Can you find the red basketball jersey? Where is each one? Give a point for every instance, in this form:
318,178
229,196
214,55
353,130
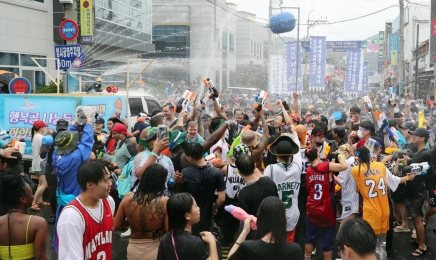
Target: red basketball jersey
319,207
97,239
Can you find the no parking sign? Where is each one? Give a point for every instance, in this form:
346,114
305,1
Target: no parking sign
68,30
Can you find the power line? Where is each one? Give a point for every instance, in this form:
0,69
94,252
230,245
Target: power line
363,16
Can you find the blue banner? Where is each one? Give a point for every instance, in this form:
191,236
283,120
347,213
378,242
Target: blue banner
393,44
365,85
352,73
380,67
19,112
336,46
291,68
317,63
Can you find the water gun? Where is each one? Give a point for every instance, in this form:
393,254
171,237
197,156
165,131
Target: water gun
112,166
421,119
260,100
99,154
368,103
211,159
212,90
401,139
241,215
416,168
237,141
390,150
183,103
383,124
5,138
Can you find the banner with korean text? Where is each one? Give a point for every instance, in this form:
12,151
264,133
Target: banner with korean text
352,73
294,82
365,84
317,63
394,43
276,77
21,111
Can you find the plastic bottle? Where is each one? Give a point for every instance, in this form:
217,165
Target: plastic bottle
20,145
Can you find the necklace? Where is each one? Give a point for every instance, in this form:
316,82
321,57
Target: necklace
99,221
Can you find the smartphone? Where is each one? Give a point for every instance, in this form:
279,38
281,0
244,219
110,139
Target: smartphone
162,132
285,105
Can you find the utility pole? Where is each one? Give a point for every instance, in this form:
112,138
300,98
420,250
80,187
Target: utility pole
416,61
270,37
71,13
401,48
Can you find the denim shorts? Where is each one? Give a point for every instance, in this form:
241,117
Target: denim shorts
42,164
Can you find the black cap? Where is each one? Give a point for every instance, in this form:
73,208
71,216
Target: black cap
398,115
62,125
408,125
206,117
99,121
421,132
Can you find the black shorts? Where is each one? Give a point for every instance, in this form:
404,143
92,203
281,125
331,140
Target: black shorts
414,207
52,179
399,195
432,197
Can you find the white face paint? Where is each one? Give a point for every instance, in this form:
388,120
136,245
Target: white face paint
360,134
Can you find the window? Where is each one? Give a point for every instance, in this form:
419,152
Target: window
9,59
217,77
39,78
14,70
26,60
231,42
224,38
135,105
152,105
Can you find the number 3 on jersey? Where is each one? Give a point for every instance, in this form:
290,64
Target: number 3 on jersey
372,193
287,198
318,191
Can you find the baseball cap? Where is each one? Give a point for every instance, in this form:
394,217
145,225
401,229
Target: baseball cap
39,124
99,121
421,132
408,125
120,128
62,125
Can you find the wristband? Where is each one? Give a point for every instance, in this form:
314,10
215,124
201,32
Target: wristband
228,123
407,177
237,243
154,154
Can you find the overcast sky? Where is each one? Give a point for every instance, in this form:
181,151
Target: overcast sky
334,10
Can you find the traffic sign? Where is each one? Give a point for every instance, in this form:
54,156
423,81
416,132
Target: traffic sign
70,56
19,86
69,30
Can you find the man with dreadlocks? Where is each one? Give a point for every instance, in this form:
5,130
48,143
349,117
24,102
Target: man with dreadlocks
286,174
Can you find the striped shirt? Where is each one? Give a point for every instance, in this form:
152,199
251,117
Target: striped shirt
349,196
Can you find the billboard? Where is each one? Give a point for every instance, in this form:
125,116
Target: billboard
393,46
86,21
291,68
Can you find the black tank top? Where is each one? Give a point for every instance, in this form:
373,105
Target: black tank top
176,162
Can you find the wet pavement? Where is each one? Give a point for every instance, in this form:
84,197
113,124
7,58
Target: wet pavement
402,247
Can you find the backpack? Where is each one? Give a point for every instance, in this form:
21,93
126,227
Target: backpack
124,183
124,180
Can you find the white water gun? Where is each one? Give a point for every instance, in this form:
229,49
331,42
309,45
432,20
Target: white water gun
416,168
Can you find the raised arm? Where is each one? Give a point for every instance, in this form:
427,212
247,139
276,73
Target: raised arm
285,113
296,107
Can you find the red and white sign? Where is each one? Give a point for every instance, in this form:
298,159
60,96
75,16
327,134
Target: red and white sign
19,86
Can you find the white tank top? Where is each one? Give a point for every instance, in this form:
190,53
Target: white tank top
234,181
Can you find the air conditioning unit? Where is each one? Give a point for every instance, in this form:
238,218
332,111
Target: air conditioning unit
66,1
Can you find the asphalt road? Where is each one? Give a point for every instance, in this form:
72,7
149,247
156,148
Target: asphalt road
402,247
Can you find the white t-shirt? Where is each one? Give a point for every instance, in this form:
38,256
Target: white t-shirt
288,186
36,148
221,144
71,228
349,196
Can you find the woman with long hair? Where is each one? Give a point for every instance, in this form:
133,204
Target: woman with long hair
38,164
320,206
372,182
145,212
22,236
349,196
179,243
271,242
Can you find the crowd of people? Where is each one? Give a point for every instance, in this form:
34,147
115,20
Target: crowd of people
293,169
